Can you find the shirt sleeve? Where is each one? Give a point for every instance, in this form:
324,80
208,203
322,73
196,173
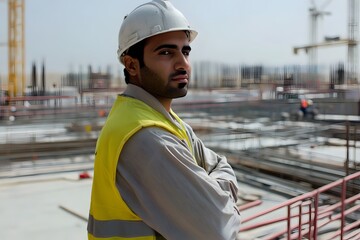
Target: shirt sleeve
215,165
159,180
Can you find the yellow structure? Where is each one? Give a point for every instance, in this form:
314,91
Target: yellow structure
16,47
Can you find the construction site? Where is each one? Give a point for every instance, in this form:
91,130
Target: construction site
298,174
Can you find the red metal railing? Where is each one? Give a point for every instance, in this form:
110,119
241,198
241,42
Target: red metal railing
306,215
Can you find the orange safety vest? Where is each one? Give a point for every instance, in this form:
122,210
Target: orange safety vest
304,103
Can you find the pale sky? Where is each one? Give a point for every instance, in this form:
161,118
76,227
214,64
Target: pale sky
73,33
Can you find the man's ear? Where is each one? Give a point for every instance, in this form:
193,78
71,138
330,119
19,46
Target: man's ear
132,65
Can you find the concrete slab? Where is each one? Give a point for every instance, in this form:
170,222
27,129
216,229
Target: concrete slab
54,206
30,207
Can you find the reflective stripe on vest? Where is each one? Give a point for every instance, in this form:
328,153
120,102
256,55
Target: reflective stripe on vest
118,229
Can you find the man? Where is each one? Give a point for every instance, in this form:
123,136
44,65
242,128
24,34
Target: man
153,178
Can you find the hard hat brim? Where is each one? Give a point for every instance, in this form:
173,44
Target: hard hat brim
192,36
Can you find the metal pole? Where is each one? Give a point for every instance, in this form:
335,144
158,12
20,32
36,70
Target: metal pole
73,213
316,209
289,222
354,144
300,222
347,149
343,198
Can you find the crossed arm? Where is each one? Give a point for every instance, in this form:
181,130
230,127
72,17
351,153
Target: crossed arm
160,182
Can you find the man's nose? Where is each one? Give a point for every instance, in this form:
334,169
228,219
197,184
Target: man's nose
182,62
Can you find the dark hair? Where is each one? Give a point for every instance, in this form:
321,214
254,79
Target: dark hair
135,51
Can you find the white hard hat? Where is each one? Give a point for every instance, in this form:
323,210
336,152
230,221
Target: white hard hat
150,19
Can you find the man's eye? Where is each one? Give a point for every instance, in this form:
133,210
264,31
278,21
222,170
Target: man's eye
165,52
186,53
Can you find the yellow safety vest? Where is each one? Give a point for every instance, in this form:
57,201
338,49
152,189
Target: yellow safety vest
110,218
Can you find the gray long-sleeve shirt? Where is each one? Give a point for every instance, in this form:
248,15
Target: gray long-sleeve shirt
159,181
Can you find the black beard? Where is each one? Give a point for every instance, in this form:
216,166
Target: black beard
153,84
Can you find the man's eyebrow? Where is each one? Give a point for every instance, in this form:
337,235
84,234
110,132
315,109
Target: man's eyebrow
172,46
186,48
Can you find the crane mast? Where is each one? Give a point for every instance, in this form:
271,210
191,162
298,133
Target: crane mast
16,47
353,36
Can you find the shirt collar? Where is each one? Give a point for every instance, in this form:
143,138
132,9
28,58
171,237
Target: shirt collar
142,95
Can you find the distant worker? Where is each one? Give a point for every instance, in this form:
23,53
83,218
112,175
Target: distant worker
303,106
153,177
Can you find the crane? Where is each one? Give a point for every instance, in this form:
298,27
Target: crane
351,41
315,13
16,47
